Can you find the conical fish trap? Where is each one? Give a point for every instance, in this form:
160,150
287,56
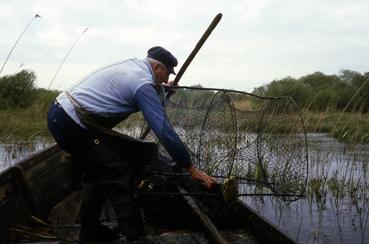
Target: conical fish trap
232,133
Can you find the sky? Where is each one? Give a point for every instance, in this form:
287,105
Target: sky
255,43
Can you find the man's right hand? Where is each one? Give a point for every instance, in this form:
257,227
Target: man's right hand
197,174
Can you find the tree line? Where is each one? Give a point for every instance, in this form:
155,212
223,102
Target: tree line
18,91
348,91
23,106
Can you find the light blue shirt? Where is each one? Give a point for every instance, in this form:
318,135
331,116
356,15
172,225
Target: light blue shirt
120,89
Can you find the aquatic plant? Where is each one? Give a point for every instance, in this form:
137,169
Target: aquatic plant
66,56
16,42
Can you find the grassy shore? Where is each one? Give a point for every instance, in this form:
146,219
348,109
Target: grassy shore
23,124
346,127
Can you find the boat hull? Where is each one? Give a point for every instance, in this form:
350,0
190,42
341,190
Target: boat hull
47,186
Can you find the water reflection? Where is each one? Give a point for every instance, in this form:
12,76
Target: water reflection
14,151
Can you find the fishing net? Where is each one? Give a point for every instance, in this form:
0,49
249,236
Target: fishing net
230,133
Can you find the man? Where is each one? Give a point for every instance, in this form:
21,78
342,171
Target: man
103,99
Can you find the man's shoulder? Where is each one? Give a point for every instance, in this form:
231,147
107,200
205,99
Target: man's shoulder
135,61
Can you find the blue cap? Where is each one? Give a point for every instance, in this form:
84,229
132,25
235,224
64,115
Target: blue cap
164,56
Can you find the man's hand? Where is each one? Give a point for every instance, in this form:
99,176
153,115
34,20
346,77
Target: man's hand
167,87
201,176
169,83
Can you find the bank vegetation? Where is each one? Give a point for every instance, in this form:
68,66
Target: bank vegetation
334,104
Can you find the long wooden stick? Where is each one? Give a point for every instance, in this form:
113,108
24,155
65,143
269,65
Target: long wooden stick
199,44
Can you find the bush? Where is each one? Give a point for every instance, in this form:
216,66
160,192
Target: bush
17,91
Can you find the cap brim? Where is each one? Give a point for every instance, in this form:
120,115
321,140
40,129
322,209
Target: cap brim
171,70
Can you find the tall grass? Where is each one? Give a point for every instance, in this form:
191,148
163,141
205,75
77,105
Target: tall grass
24,123
352,128
23,107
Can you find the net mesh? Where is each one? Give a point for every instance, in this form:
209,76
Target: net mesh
232,133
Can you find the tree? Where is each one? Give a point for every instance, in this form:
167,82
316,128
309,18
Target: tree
318,80
360,85
291,87
348,75
343,93
17,91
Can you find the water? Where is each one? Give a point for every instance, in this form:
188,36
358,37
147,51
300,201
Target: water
332,218
340,216
14,151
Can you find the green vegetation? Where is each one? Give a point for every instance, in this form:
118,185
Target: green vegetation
23,107
351,127
334,104
193,99
317,92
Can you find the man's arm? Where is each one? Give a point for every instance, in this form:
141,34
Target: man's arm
154,113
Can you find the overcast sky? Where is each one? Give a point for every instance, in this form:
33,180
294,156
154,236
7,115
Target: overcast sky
255,42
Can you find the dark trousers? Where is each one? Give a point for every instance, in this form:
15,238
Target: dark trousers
107,173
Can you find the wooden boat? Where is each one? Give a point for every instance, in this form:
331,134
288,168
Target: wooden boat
40,197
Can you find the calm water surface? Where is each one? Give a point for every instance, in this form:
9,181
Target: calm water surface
329,219
333,218
14,151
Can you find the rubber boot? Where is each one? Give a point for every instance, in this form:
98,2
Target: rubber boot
91,228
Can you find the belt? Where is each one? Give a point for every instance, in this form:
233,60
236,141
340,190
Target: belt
57,104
